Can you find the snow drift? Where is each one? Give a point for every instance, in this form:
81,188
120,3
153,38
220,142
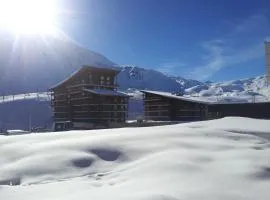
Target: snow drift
220,159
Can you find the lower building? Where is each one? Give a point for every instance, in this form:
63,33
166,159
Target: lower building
164,106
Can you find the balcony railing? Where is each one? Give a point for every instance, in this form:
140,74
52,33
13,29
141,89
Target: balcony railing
94,85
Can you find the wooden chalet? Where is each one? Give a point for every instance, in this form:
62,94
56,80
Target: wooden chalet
89,99
164,106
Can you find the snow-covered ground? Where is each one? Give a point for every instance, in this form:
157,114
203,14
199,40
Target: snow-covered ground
220,159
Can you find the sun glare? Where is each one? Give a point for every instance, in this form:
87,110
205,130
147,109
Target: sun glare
28,16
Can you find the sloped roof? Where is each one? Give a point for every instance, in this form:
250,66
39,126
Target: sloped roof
104,92
84,68
170,95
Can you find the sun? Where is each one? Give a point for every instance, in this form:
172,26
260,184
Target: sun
28,16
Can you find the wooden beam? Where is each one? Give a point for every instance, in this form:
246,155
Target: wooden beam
149,105
100,104
157,111
93,85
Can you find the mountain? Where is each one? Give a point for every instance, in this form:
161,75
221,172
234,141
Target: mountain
29,64
243,89
133,77
186,83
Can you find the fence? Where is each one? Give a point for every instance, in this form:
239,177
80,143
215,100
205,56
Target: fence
35,96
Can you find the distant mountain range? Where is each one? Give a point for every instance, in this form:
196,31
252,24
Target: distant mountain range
28,64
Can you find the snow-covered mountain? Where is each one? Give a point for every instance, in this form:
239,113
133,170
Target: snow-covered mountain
186,83
243,89
35,63
133,77
28,64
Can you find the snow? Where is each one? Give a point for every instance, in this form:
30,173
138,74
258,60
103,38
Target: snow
40,96
17,132
170,95
237,90
133,77
220,159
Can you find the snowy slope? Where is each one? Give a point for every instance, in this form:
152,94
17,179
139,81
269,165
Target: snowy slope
208,160
186,83
134,77
241,89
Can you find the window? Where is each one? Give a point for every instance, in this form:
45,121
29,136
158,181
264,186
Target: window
108,80
90,78
102,80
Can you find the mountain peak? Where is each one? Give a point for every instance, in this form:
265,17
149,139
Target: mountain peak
29,64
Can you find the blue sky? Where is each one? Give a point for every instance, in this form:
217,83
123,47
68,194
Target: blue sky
204,39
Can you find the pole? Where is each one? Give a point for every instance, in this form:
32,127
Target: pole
30,123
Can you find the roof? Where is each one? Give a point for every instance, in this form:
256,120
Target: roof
170,95
84,68
106,92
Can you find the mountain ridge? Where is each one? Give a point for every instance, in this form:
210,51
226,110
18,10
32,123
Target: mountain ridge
35,64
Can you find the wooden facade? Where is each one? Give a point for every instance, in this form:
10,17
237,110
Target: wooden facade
89,98
259,110
162,106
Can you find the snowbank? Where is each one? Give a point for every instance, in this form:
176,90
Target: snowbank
220,159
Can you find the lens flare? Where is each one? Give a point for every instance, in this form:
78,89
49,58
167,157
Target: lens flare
28,16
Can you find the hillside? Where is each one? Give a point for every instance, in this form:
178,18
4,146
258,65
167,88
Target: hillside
219,159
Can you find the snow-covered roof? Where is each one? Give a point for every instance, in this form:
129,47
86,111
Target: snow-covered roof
83,68
16,132
170,95
107,92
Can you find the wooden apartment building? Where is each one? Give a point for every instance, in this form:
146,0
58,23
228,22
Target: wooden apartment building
164,106
89,99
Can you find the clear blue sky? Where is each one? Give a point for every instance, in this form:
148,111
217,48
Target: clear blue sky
202,39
